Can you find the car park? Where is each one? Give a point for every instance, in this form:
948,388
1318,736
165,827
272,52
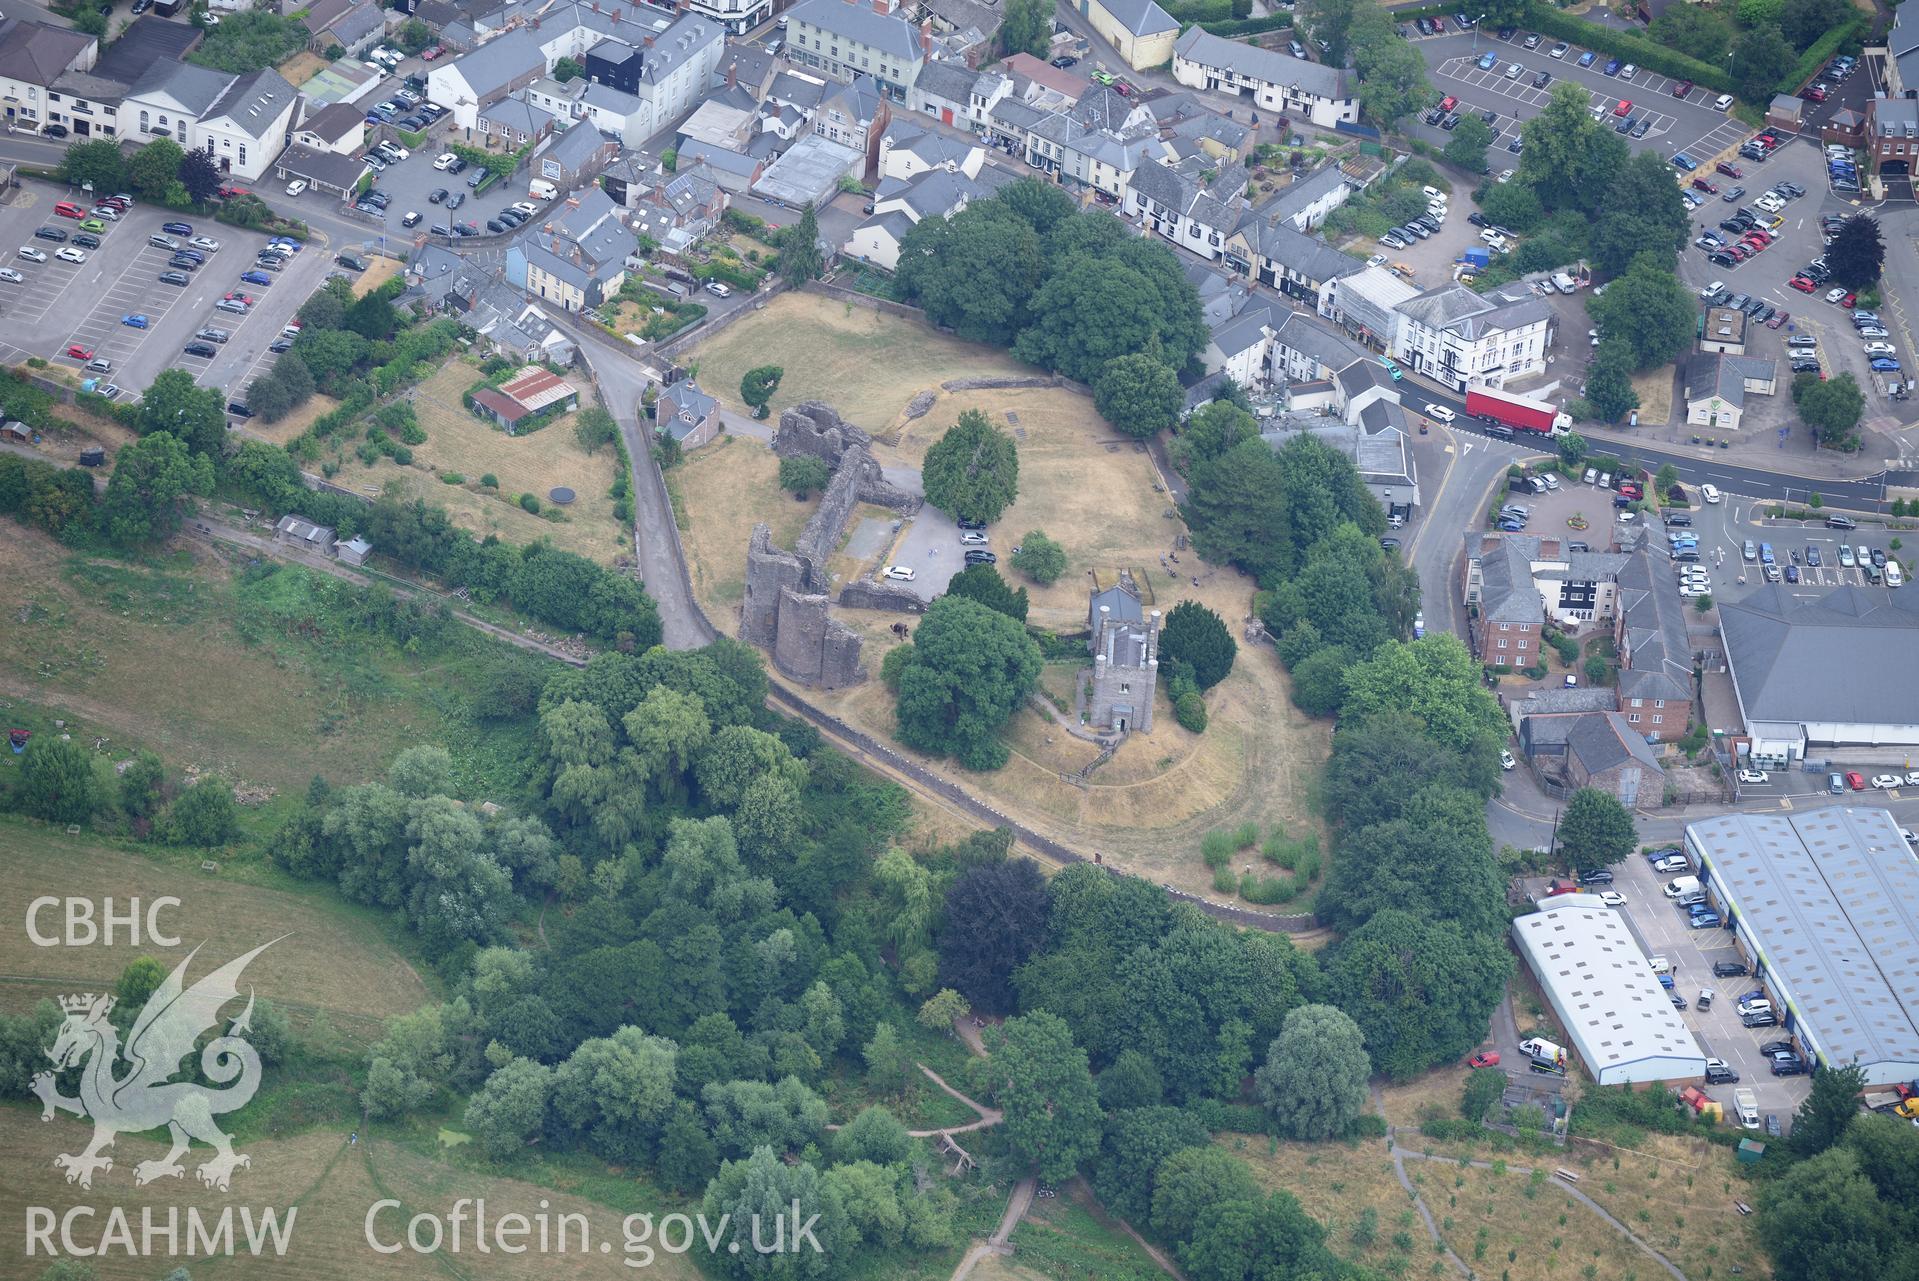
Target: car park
70,254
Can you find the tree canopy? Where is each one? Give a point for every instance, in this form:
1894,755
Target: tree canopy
1595,830
972,472
1198,637
1314,1078
1648,309
1138,393
1041,1081
1857,254
966,671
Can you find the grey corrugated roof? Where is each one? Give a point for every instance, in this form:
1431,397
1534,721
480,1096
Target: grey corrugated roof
860,24
1831,897
1843,657
1141,17
1313,78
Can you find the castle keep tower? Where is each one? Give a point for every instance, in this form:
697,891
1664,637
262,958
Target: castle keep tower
1125,645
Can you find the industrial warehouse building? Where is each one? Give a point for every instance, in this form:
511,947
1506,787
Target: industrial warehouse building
1600,984
1813,675
1826,904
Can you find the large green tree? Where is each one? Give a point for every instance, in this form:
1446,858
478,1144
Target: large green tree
1330,22
1136,1142
1823,1220
1138,393
196,415
1212,429
1391,73
976,271
1760,58
1132,297
973,470
1436,680
966,671
1828,1109
1609,388
1644,214
1025,28
1040,1080
57,780
151,480
1263,509
1804,21
1314,1078
1191,1183
1198,637
996,921
98,162
1466,149
154,168
1649,309
1595,830
510,1109
1039,558
1832,408
762,1190
1857,254
1694,30
799,245
1567,152
984,584
1422,992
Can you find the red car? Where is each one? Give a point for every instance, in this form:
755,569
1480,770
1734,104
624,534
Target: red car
1849,300
1855,780
1448,102
1706,185
1681,89
245,298
1624,108
1816,93
1485,1058
1123,89
1561,887
228,193
1777,319
78,352
1803,285
1730,169
431,52
1630,488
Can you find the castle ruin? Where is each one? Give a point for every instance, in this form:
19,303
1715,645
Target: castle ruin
785,609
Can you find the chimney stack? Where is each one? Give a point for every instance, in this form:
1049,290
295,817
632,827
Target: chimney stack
732,73
926,37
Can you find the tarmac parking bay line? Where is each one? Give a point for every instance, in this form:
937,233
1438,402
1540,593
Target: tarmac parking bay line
128,295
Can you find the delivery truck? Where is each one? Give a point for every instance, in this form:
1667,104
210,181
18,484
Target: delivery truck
1545,1056
1521,413
1746,1103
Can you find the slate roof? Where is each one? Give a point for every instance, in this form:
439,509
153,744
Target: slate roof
1298,251
683,407
36,54
357,23
1293,200
676,45
516,115
1842,657
1124,605
803,92
719,158
334,121
1141,17
1266,65
1329,349
576,148
148,41
1725,377
255,102
956,82
1656,657
1362,374
500,61
1507,593
195,88
930,148
861,24
749,64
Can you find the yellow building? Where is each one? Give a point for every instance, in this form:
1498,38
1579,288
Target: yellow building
1141,31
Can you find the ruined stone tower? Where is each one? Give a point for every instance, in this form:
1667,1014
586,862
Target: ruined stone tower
1125,645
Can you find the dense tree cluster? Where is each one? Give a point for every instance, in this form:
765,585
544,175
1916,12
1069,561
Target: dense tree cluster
972,472
1065,289
966,671
1846,1211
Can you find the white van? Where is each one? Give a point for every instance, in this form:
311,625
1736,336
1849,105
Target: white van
1660,965
1680,886
541,189
1564,283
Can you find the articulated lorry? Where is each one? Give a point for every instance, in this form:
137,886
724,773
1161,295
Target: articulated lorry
1521,413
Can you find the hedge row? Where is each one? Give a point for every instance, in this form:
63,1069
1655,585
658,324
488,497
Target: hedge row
1245,26
1820,52
1629,46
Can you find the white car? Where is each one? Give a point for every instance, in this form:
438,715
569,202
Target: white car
1888,781
1671,863
973,538
903,573
11,276
1753,776
1834,295
1612,898
1628,71
207,243
1877,348
1506,761
393,151
1552,481
1709,493
1377,260
1440,412
444,161
70,254
297,186
1432,193
526,207
31,254
1716,287
1691,590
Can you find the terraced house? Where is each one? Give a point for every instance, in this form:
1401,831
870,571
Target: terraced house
842,39
1275,82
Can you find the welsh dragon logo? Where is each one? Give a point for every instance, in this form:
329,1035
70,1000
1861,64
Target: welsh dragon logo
146,1097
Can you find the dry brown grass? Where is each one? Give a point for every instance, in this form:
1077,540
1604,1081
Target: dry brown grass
1337,1183
1439,1088
294,425
302,67
107,653
728,486
865,364
65,446
332,956
1526,1222
1677,1194
457,443
379,270
332,1187
1655,395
